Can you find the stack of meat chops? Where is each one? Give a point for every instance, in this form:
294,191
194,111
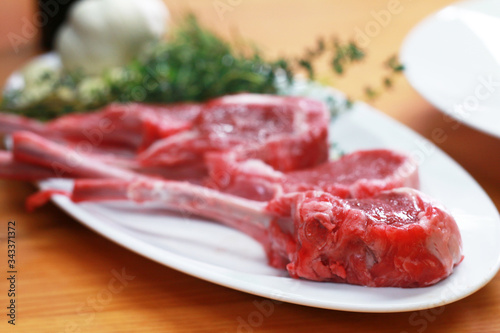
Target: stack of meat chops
257,163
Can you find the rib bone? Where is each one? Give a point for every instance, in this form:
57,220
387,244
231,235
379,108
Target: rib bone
398,238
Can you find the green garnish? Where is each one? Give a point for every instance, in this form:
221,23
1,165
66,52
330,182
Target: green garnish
341,56
394,67
194,65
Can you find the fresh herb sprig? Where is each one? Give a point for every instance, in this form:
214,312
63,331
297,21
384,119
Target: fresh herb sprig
194,65
394,68
341,55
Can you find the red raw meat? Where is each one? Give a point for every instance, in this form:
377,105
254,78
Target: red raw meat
12,169
254,145
10,123
359,174
133,125
356,175
59,161
288,133
397,238
55,159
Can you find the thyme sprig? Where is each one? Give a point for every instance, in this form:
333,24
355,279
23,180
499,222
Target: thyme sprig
194,65
394,68
341,55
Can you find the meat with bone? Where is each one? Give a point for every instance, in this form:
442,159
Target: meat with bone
394,238
10,123
356,175
12,169
132,125
397,238
359,174
59,160
44,158
287,133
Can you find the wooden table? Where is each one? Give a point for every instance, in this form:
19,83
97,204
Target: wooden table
65,269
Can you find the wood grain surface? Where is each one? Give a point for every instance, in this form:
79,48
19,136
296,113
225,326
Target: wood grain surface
66,270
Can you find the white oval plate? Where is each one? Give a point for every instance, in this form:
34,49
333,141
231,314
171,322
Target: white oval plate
452,58
224,256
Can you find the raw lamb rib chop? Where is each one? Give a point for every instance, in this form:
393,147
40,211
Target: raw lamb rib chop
397,238
12,169
287,133
132,125
356,175
253,146
359,174
29,149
